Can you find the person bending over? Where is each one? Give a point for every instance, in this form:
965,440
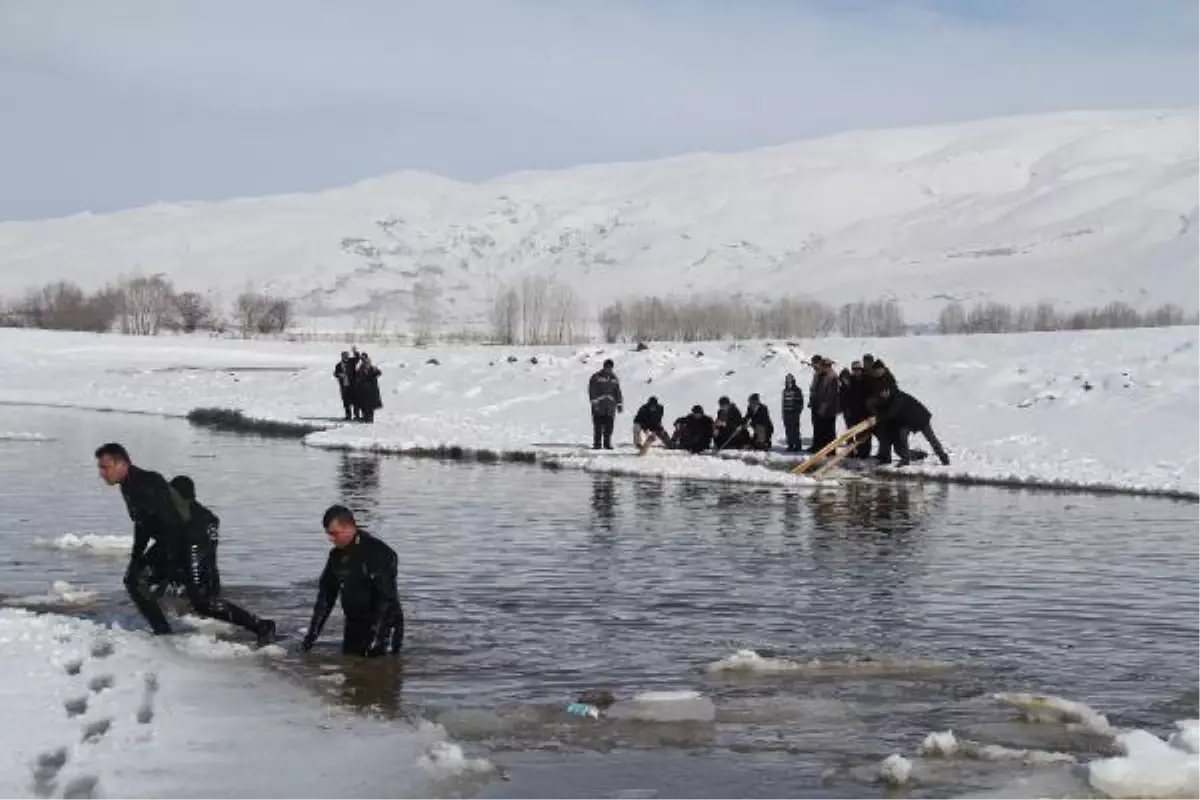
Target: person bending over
362,570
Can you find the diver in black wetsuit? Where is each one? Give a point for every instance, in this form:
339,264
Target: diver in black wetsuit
178,552
155,519
362,569
201,579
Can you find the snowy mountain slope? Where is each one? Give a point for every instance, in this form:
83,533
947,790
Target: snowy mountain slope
1079,208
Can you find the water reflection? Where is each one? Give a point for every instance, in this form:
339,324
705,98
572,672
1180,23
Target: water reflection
358,482
604,501
371,685
648,497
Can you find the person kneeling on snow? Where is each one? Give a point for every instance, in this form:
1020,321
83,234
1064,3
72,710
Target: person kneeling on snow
899,415
729,430
648,421
694,432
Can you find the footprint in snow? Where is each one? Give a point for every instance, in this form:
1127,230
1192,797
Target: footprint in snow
45,770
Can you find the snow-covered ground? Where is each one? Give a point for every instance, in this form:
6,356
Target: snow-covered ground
1079,208
92,711
1104,409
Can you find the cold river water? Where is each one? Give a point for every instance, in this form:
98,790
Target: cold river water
903,605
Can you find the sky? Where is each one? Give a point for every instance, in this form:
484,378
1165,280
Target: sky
122,103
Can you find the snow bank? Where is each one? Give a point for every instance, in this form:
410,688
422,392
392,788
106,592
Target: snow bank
1101,409
61,595
89,710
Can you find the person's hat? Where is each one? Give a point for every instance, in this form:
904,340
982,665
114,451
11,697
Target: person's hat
724,401
856,365
816,360
608,363
753,398
653,401
697,410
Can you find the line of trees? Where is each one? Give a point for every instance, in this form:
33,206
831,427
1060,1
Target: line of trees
144,306
707,319
539,311
993,317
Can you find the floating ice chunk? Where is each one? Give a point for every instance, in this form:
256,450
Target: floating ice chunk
88,542
61,594
1049,708
677,706
751,662
1149,768
895,770
944,743
1187,738
445,760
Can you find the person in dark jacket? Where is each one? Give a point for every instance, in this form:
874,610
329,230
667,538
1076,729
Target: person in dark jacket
901,414
793,405
604,395
823,402
366,388
729,428
362,570
876,378
758,423
694,432
648,422
202,579
853,402
155,520
345,372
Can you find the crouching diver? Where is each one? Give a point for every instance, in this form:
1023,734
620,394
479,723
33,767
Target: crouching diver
202,581
362,569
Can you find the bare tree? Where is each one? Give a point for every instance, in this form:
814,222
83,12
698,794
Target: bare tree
276,316
193,312
535,292
506,317
147,305
248,311
612,322
427,313
565,312
952,319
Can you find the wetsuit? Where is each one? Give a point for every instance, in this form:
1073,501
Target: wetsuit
364,574
155,519
202,581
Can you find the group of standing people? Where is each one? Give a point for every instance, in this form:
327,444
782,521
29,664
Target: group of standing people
866,389
358,381
175,544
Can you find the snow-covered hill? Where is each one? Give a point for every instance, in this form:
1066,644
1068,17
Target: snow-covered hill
1078,208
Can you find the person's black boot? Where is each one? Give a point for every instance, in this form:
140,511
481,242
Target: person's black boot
265,632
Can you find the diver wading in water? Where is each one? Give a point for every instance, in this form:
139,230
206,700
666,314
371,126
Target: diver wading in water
362,570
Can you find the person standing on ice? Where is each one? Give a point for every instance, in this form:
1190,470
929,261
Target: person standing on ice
901,414
362,570
648,422
854,405
793,404
202,580
345,372
604,394
366,388
823,401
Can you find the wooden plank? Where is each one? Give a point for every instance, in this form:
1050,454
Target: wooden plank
809,462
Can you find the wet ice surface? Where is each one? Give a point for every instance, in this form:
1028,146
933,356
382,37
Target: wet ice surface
829,629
